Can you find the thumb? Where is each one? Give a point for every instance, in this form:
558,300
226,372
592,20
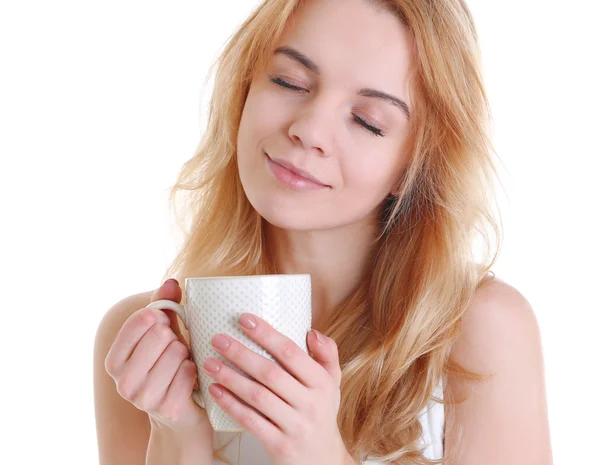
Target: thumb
170,290
324,351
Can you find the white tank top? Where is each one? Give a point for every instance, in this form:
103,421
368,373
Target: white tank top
244,449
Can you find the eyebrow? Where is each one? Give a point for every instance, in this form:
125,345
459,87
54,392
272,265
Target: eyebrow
294,54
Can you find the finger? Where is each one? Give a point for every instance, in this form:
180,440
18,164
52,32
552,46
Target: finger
325,352
180,387
254,394
265,371
170,290
295,360
182,383
174,324
145,356
134,328
162,373
248,418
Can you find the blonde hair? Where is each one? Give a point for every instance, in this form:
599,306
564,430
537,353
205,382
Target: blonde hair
400,322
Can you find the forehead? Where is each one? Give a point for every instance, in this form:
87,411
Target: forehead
351,41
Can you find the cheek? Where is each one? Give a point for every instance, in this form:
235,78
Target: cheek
264,115
369,177
272,112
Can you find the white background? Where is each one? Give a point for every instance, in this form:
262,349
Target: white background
99,107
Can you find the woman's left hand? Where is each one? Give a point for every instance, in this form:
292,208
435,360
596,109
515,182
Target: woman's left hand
300,403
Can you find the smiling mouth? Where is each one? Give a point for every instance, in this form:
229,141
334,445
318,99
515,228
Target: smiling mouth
291,179
297,172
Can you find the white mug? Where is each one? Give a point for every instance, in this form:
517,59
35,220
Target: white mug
214,305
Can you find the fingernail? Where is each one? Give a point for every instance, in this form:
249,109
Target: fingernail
212,365
320,337
172,279
215,390
220,341
247,321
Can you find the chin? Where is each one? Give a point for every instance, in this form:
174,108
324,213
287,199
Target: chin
284,216
290,213
287,219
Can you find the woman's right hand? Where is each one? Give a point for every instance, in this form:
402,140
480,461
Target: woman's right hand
149,361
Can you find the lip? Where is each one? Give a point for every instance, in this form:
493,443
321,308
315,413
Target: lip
290,179
297,171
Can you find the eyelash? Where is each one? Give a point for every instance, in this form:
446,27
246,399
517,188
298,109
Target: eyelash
372,129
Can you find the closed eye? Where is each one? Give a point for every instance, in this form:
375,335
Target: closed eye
372,129
366,125
287,85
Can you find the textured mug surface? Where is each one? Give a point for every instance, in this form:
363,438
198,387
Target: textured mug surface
214,305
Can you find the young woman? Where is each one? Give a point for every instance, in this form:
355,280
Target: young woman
347,139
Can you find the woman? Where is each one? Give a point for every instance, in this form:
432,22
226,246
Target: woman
379,109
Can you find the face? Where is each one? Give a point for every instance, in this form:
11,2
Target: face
320,106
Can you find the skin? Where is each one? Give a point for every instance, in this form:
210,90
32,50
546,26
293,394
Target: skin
354,46
311,232
322,232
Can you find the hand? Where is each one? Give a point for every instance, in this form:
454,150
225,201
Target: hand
299,399
149,361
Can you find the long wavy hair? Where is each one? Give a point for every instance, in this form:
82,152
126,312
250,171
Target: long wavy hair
439,236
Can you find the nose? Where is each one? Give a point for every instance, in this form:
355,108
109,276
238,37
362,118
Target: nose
312,129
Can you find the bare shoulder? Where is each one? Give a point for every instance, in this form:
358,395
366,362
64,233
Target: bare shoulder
504,416
499,313
498,327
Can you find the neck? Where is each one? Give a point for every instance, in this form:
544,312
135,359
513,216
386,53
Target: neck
336,259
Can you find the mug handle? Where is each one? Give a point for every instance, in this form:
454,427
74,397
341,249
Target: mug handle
170,305
180,310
